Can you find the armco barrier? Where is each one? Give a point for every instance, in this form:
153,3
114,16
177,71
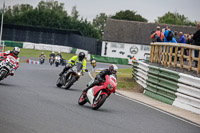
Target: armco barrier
13,44
168,86
99,58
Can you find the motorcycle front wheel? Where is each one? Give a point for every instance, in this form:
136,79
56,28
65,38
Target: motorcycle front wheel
99,102
58,82
2,74
82,100
70,82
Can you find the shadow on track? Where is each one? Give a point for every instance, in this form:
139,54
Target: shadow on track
4,84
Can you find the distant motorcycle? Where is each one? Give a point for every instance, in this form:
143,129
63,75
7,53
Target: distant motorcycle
42,59
7,65
51,60
93,63
71,76
57,60
98,94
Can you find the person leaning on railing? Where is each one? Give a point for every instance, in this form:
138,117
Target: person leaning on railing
196,41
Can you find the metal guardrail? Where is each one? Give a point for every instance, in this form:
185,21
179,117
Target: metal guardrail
168,86
168,55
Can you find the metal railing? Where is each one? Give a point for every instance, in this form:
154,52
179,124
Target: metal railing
173,54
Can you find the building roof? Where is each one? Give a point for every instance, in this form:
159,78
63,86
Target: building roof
134,32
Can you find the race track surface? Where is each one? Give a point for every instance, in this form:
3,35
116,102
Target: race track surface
30,102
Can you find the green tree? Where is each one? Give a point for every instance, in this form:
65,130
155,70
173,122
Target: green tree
128,15
100,21
174,18
49,14
74,13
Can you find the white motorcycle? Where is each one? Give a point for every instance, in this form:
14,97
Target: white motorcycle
7,65
57,60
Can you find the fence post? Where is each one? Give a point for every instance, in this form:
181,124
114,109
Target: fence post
160,53
190,60
166,56
170,56
175,57
152,53
163,55
198,67
181,58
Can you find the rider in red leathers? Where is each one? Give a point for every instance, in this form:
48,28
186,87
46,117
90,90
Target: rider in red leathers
13,53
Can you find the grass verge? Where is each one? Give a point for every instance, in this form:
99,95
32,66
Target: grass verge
125,81
36,53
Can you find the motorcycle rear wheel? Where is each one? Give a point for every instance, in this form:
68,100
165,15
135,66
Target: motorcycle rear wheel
2,74
82,100
97,104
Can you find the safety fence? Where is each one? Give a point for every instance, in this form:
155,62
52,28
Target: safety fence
174,54
65,49
168,86
99,58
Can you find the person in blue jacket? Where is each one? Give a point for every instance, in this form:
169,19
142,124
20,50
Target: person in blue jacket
169,36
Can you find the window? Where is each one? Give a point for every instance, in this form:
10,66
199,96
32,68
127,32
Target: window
146,48
117,45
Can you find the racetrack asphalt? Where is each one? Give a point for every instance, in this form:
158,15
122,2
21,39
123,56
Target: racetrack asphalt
30,102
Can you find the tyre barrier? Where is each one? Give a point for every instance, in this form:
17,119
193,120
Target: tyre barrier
32,62
168,86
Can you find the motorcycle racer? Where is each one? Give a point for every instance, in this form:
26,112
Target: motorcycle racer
73,60
14,53
112,70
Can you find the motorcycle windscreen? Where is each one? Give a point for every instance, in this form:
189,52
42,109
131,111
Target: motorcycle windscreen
79,66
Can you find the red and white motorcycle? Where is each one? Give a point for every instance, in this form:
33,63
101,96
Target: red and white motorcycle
97,95
7,66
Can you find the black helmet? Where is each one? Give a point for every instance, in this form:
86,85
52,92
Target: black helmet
16,51
113,69
81,56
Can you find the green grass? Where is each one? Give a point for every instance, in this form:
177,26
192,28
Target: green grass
125,81
36,53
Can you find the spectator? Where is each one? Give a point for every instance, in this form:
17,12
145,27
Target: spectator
176,36
157,36
181,38
196,41
169,36
196,36
189,41
133,58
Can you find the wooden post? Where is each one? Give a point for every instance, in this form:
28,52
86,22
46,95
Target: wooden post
155,53
152,51
181,58
190,60
166,56
198,67
170,56
163,55
175,57
160,54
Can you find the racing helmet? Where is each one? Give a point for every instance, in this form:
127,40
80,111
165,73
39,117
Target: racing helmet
81,56
113,69
16,51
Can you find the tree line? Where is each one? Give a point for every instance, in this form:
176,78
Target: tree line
51,14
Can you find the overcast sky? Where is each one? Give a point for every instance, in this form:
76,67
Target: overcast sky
149,9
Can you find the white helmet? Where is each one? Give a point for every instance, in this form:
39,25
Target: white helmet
113,69
16,51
